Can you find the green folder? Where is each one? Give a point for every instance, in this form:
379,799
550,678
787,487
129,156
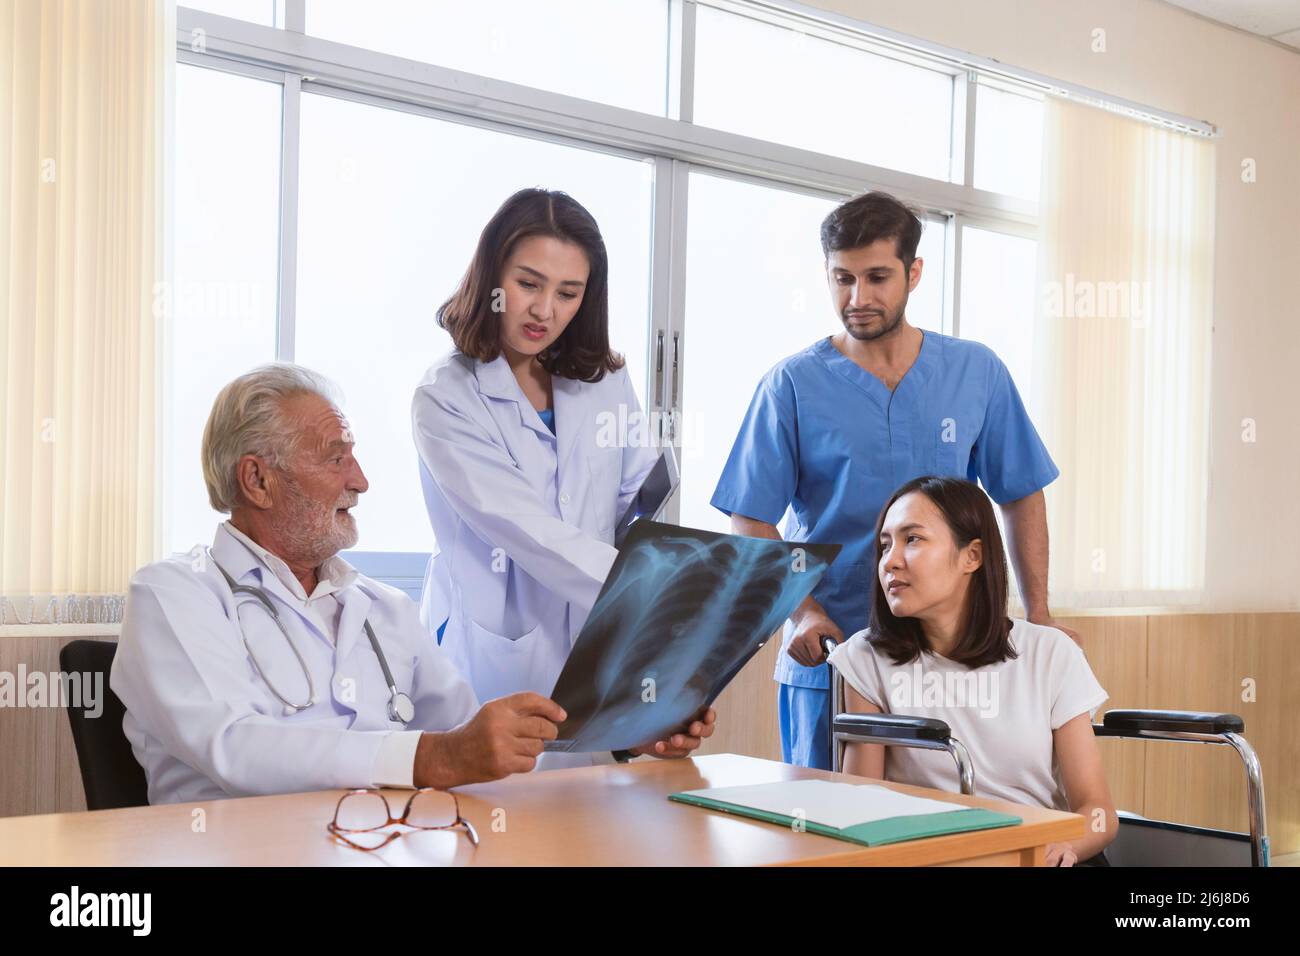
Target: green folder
877,832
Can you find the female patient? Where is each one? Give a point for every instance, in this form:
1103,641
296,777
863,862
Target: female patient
1020,696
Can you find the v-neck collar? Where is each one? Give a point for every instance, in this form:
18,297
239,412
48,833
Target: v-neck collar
855,374
497,380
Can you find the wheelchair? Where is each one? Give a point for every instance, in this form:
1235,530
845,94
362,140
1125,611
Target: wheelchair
1140,841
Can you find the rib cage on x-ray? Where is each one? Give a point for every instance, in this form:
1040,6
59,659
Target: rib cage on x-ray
701,575
681,613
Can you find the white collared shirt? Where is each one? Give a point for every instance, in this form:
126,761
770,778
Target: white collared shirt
332,576
394,764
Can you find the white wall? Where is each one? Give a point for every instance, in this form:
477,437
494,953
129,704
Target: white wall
1162,56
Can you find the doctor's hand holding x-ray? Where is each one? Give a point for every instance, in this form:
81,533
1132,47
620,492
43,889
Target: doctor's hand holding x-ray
266,663
532,444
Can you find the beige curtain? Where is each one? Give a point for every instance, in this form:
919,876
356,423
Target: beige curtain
1126,275
83,97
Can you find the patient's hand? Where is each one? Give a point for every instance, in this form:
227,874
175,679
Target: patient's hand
1059,854
681,744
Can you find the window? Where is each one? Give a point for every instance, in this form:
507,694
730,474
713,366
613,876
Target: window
226,242
1008,141
925,306
795,88
748,297
615,53
390,209
266,12
998,276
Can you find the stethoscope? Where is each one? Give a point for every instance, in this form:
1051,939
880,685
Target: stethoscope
400,708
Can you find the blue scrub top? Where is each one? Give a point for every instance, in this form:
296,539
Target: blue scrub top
827,439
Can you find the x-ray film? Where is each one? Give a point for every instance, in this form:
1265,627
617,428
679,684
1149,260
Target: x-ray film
680,614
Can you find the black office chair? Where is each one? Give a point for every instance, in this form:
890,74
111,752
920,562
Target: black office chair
109,771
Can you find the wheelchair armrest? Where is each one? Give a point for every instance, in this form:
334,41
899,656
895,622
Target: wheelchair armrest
894,726
1122,722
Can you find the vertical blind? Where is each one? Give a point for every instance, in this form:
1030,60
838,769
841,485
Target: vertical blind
83,88
1122,364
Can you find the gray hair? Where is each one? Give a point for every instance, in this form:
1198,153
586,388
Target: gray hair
248,419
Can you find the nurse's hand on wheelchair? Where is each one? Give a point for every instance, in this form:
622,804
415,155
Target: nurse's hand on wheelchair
681,744
506,736
1047,620
1059,854
809,630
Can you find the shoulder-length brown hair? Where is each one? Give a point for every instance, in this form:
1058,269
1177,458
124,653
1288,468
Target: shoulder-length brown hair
582,351
986,635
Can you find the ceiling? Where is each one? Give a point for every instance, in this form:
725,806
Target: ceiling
1277,20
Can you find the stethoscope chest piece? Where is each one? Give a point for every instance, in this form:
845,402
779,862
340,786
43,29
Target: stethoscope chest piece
400,708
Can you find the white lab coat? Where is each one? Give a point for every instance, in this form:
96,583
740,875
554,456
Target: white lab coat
204,725
524,519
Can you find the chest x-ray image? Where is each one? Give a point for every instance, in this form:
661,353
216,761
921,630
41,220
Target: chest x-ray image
680,614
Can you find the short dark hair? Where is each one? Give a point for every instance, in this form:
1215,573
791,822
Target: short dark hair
868,218
582,351
986,636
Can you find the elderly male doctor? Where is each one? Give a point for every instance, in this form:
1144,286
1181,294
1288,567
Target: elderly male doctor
261,665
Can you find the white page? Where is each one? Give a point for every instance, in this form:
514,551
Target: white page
828,802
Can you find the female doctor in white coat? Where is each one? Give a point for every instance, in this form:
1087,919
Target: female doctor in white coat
523,470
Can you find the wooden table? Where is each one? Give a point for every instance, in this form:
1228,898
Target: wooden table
608,815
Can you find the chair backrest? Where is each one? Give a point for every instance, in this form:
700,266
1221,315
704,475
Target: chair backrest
109,771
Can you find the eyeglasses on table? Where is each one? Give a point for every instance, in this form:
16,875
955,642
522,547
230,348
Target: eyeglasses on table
361,813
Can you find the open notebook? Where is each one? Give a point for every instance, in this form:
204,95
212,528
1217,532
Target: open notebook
860,813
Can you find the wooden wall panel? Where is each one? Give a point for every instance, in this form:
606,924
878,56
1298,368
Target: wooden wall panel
1199,662
1116,648
39,772
1268,647
28,745
747,715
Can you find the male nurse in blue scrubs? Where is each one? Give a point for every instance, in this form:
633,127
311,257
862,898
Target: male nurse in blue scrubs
834,429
